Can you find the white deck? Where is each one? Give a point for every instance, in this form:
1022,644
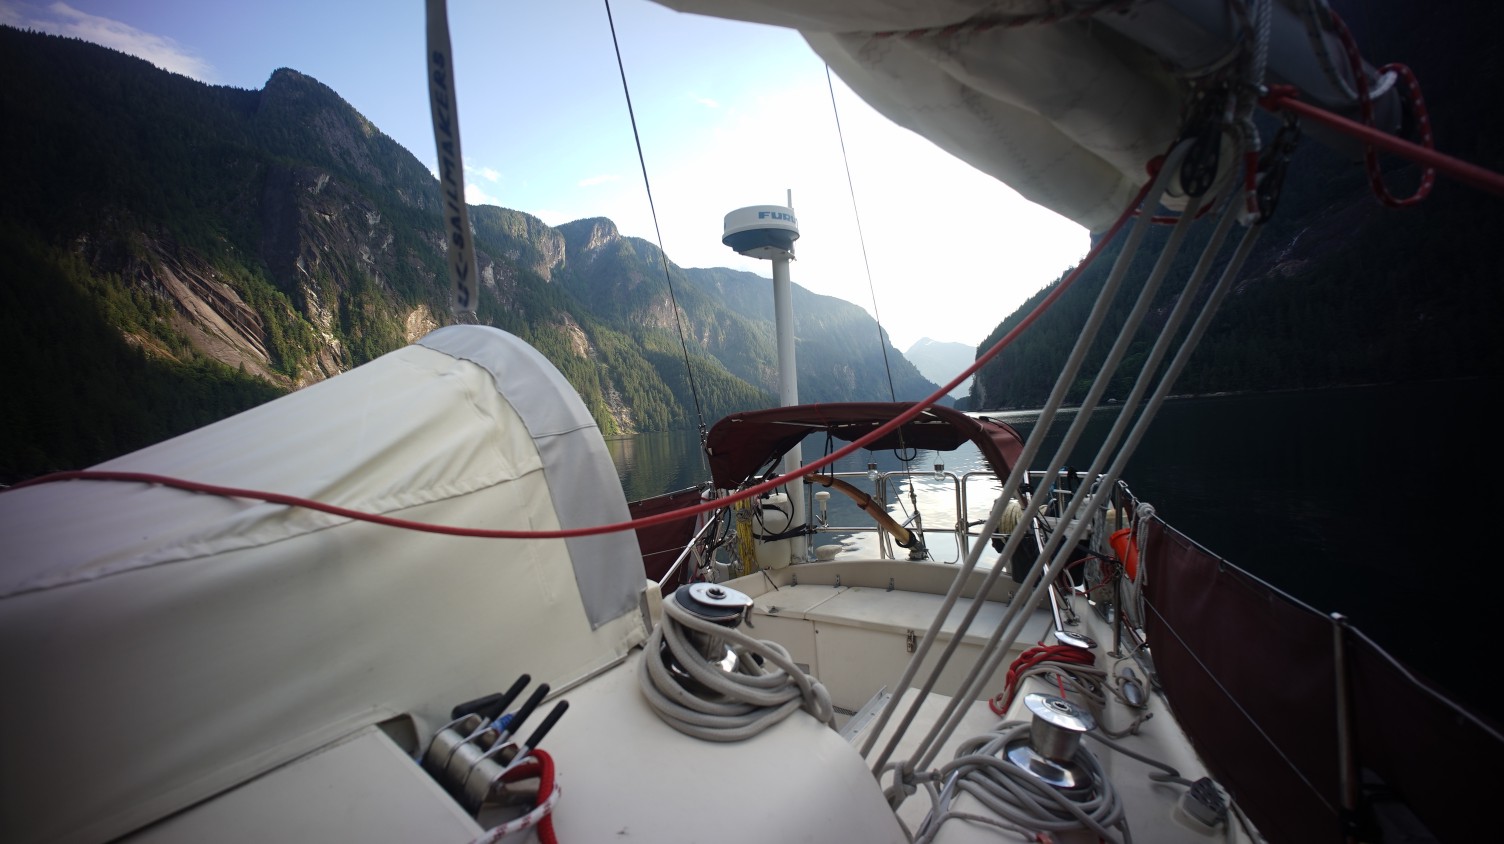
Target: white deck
380,793
854,638
626,775
858,637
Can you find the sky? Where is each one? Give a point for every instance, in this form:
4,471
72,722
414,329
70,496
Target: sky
730,114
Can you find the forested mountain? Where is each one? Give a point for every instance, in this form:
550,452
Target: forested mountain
729,315
177,252
1342,290
837,347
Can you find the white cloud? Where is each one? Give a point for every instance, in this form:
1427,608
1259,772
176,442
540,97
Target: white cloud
476,195
592,181
62,19
490,174
707,102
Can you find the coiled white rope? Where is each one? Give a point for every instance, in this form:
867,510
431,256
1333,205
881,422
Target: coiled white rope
745,703
1021,802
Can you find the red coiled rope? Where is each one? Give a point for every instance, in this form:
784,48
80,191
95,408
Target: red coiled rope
1365,109
1284,98
541,767
1064,654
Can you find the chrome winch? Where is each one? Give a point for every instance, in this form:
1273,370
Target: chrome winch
1048,752
723,607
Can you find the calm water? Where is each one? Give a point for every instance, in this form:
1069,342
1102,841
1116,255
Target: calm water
1372,501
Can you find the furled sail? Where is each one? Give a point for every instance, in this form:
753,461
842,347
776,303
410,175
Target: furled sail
1066,101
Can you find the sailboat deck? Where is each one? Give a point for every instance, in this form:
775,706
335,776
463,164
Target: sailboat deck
629,776
878,609
1151,806
856,634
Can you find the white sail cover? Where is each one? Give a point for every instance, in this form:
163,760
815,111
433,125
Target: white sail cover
1067,114
159,646
1065,101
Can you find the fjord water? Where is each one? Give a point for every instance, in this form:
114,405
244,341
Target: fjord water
1377,502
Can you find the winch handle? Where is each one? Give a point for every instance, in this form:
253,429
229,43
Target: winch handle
491,706
527,709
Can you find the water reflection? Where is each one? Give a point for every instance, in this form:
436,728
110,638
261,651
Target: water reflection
652,464
911,485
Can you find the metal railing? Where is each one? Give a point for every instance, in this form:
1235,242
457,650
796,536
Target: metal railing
691,549
960,526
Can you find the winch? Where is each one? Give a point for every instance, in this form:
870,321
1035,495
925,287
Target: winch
720,605
1048,752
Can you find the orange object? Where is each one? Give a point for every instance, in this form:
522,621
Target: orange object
1126,548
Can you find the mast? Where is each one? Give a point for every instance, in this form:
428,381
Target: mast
768,232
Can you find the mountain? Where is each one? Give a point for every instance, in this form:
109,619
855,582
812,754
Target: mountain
836,345
1341,289
178,252
940,361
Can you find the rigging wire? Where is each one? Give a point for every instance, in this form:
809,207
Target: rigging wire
1252,721
1129,439
882,341
662,255
1149,195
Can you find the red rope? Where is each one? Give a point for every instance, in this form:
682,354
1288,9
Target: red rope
543,768
1283,98
1067,654
647,521
1365,110
1251,182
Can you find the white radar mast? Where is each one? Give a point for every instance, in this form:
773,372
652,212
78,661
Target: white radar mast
768,232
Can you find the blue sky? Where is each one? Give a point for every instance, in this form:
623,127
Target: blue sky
731,114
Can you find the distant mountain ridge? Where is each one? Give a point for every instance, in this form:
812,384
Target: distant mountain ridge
218,246
941,361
